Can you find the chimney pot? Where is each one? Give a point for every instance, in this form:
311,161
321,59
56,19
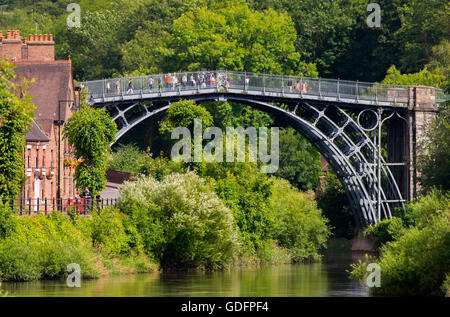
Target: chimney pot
35,37
51,37
30,37
40,37
45,37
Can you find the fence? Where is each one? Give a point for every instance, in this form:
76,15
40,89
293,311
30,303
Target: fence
290,86
81,206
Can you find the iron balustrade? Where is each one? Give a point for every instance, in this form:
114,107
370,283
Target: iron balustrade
286,86
81,206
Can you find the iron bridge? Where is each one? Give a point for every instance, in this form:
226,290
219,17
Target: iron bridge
342,119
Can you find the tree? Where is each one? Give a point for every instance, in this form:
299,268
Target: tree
299,160
434,163
182,222
230,35
424,24
183,113
16,114
300,225
425,77
91,131
335,206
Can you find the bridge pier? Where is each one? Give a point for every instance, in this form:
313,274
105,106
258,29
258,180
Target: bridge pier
404,140
421,111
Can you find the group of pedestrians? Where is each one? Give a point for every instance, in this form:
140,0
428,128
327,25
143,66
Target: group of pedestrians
298,86
171,81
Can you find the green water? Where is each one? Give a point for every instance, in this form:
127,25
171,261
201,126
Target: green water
328,278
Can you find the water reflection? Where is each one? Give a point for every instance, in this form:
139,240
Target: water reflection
328,278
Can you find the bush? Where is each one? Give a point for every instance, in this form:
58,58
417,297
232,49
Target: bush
181,220
42,247
7,224
417,260
245,190
109,232
126,158
299,225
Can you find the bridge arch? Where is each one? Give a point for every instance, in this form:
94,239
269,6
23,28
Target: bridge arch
326,127
316,112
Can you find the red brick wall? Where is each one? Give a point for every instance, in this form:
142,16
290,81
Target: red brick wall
37,47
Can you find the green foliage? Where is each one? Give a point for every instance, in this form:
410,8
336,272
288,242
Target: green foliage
434,162
230,35
245,190
299,226
423,25
416,259
333,201
181,220
7,223
159,167
425,77
182,114
16,113
385,231
236,115
126,158
108,232
91,131
299,160
42,247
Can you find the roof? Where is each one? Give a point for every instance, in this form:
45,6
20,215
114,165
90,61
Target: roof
35,134
52,80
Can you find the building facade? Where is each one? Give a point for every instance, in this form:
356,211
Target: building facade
53,95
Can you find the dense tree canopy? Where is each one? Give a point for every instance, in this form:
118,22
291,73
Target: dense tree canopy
91,131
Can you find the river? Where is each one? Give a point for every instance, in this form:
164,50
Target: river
328,278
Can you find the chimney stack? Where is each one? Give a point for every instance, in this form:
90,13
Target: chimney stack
37,47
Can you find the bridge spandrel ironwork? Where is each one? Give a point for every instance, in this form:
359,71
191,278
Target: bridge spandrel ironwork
327,112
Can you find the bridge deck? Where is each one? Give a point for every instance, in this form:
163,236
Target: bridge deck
262,86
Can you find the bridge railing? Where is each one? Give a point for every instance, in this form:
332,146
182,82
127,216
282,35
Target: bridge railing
288,86
32,206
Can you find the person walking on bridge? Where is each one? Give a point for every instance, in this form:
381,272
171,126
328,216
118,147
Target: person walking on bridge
130,87
118,86
168,82
150,83
304,88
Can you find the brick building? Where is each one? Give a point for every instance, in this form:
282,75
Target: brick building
53,94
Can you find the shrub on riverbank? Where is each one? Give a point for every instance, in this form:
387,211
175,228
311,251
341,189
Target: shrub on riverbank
41,247
299,224
182,222
416,258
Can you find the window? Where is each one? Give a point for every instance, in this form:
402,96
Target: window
28,158
37,157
